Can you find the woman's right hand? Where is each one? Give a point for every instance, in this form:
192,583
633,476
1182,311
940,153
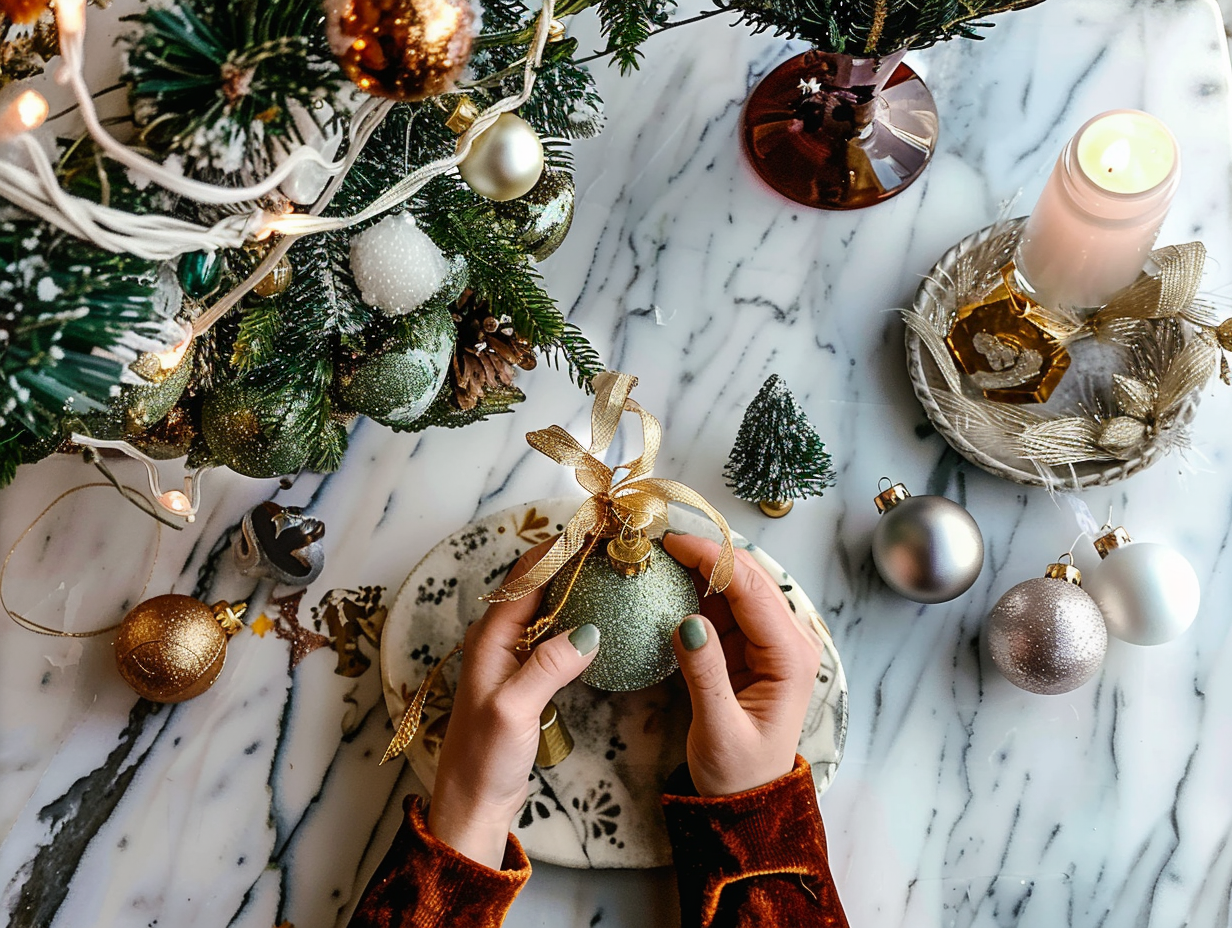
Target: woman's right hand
750,668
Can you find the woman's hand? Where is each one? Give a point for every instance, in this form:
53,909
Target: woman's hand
493,734
750,668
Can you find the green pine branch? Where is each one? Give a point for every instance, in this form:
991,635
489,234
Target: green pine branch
214,80
72,317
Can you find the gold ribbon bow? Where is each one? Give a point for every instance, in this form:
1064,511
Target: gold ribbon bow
637,501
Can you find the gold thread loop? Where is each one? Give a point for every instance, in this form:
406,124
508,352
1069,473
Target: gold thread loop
132,496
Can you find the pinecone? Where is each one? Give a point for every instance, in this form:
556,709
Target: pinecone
487,351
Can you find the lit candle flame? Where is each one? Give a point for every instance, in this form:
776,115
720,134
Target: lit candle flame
1116,156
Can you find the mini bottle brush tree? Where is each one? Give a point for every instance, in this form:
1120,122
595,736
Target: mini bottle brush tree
223,92
778,456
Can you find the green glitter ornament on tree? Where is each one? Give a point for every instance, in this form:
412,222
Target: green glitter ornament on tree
540,220
397,384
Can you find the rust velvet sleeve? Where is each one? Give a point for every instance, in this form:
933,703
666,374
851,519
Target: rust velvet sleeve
423,883
753,859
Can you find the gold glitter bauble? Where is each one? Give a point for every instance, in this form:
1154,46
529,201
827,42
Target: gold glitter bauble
401,49
171,648
636,615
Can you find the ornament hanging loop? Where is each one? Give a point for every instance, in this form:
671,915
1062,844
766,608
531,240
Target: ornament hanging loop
1064,572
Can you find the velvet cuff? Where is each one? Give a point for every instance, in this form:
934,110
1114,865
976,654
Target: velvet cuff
752,857
424,883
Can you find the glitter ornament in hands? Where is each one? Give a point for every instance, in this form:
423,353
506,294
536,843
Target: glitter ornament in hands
396,265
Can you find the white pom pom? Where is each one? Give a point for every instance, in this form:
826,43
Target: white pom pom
396,265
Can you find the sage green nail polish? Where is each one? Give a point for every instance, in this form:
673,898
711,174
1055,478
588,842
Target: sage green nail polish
585,638
692,633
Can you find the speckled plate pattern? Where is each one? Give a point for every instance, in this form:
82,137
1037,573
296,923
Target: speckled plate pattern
599,808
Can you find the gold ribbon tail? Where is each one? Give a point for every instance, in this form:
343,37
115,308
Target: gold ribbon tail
414,712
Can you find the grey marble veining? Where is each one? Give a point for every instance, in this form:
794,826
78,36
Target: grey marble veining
961,801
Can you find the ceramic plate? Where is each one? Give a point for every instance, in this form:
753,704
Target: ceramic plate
598,808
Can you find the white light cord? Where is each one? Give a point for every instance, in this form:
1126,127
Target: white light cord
182,503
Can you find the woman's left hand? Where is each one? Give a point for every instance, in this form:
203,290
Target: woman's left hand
489,749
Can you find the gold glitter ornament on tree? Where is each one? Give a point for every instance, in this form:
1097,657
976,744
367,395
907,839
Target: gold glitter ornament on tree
636,615
405,50
255,433
172,647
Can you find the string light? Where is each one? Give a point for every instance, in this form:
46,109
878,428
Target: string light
182,503
24,112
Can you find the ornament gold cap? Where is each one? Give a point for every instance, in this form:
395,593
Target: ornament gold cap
230,616
1117,538
465,113
775,509
888,499
1066,572
555,742
629,552
556,31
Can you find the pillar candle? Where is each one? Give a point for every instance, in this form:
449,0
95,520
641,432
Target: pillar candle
1097,219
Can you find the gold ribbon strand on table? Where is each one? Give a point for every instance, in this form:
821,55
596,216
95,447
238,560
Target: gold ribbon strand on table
635,500
1171,336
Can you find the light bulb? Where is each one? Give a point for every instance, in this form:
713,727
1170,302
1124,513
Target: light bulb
24,112
177,503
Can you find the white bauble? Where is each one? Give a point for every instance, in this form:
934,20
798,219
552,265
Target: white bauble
396,265
1148,593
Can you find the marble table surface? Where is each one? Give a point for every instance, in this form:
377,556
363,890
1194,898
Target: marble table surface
961,800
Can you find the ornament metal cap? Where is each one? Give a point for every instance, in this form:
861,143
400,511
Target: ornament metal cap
1117,538
230,616
555,742
1066,572
556,31
775,509
465,113
629,552
888,499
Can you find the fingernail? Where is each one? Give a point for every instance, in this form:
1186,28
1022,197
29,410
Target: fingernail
585,638
692,633
673,531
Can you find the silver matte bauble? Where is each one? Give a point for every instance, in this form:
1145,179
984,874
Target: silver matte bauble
1047,636
1148,593
926,548
504,162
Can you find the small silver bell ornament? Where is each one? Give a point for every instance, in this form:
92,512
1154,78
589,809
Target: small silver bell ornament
280,543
